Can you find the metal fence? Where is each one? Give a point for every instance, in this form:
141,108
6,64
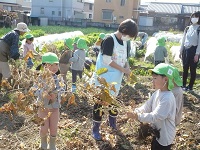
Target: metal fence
84,23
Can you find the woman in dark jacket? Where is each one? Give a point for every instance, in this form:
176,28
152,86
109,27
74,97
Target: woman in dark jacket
9,49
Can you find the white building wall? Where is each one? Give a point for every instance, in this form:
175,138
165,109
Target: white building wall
77,7
68,9
87,11
48,6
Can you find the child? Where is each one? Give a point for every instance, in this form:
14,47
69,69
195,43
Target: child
97,45
143,38
160,109
178,94
113,56
160,51
51,102
77,61
75,43
28,50
64,59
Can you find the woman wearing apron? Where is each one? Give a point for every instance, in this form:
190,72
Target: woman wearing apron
113,56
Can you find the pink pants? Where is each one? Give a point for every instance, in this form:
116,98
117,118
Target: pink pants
51,123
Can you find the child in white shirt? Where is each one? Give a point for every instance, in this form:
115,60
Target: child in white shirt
160,109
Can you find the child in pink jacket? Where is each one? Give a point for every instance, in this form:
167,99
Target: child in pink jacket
28,50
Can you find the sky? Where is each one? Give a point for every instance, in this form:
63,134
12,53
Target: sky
172,1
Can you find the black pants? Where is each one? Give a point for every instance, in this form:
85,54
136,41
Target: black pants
74,75
188,63
156,146
98,113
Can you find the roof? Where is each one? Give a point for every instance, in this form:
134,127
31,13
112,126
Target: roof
191,9
173,8
9,3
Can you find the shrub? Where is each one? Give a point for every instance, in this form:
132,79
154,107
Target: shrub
131,61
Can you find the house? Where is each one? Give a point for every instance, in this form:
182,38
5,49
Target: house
61,10
115,11
10,6
88,9
16,5
25,4
14,9
165,16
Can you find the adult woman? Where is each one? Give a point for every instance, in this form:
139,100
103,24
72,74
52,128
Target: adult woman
9,48
190,50
113,56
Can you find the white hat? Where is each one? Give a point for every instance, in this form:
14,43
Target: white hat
21,26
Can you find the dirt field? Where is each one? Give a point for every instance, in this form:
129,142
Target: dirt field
75,124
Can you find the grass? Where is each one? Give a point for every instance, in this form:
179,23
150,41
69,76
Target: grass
62,29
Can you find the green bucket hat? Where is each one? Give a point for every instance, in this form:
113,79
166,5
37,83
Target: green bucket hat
29,36
102,36
176,76
69,43
20,43
161,41
76,39
81,44
50,58
167,70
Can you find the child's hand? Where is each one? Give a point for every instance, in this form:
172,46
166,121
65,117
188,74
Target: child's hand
133,116
51,97
196,58
127,71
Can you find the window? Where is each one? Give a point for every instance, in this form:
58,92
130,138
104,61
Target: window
122,2
50,0
80,1
121,17
42,11
107,14
108,1
9,8
53,12
27,0
90,6
59,13
90,16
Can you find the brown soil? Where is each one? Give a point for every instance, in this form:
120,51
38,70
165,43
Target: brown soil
76,121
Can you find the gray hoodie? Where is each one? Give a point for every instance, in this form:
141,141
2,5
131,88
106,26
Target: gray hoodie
78,60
